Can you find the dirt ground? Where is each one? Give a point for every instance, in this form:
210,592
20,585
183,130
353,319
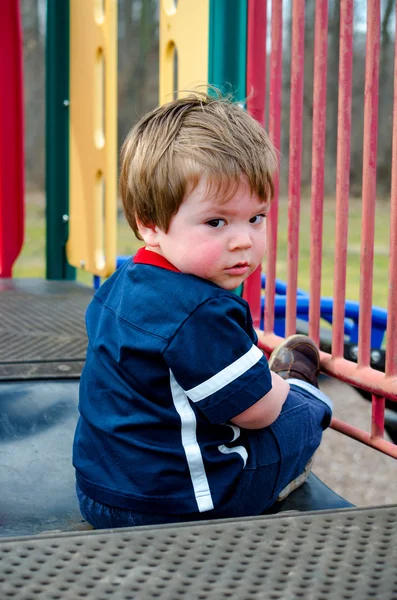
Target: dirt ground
360,474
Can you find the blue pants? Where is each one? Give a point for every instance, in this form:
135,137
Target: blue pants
276,456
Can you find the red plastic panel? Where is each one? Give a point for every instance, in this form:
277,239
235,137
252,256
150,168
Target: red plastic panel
11,137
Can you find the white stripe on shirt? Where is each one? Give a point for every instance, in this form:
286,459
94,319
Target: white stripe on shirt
226,376
191,447
238,449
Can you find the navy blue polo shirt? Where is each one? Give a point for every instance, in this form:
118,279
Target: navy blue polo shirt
171,358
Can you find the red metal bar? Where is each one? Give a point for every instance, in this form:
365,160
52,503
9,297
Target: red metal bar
275,135
11,137
364,378
295,159
357,434
378,416
318,156
391,337
342,173
256,92
369,179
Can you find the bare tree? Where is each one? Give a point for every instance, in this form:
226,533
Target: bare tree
332,94
138,72
138,60
34,94
385,99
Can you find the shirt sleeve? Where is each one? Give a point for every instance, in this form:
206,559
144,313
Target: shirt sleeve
214,358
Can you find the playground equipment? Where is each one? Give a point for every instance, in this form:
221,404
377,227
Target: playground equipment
11,140
321,555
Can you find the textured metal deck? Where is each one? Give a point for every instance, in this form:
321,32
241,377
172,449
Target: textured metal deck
42,333
339,555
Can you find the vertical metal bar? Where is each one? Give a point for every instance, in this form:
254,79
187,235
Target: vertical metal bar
342,173
318,155
369,179
378,416
274,133
295,159
256,92
391,337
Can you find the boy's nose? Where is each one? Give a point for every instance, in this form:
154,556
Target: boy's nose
240,239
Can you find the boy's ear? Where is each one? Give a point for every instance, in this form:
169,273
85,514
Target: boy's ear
149,233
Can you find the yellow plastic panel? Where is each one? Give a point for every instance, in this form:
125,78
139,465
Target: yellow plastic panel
93,136
184,27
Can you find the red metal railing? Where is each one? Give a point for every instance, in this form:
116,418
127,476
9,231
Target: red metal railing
391,337
256,92
342,172
380,385
275,136
318,161
295,160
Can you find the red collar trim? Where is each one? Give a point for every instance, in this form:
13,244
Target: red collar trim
147,257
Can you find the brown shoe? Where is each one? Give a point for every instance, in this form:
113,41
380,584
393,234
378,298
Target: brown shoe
297,357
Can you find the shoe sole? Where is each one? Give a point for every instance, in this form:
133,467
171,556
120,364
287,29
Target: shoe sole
296,483
276,351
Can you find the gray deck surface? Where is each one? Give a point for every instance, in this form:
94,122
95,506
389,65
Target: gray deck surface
42,332
347,554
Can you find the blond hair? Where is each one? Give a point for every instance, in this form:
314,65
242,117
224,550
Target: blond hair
171,148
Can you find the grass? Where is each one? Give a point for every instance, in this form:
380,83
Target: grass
31,262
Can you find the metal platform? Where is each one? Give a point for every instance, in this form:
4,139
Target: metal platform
339,555
42,332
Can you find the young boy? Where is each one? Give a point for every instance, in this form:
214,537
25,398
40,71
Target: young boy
181,418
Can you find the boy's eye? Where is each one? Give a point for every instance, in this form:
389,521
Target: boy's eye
216,223
257,219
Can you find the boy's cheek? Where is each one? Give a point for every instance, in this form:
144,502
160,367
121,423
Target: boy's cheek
261,246
206,260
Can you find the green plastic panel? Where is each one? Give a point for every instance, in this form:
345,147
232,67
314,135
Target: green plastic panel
228,46
57,140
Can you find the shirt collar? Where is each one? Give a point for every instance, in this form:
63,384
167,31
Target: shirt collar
147,257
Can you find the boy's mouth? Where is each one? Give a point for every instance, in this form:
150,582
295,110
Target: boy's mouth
238,269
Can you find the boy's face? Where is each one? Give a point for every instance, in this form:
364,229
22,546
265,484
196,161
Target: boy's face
220,241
